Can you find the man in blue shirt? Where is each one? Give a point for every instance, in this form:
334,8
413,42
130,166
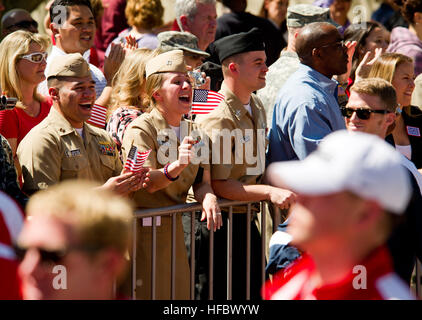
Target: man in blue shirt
306,108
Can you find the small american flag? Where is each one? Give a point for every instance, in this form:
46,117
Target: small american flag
98,116
136,159
205,101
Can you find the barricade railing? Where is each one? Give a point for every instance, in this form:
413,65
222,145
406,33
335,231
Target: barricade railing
192,208
277,218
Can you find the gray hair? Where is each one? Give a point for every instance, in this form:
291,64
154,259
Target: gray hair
188,8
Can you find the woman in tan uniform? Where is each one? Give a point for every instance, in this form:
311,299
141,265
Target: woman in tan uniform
172,173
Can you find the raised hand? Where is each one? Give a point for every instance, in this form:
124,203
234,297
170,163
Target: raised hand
365,65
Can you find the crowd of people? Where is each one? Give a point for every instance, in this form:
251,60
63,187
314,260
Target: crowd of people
315,115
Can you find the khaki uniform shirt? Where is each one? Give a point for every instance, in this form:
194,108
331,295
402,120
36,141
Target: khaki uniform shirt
53,151
232,115
147,133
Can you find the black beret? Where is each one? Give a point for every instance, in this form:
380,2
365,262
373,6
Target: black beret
239,43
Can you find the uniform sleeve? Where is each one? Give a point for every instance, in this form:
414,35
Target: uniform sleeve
40,157
308,127
118,162
8,124
216,128
140,135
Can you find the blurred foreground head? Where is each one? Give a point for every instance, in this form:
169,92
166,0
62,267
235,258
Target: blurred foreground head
350,192
74,243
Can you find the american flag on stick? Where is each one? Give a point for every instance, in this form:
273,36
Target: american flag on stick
136,159
205,101
98,116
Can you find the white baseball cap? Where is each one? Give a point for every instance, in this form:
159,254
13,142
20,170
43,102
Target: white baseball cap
357,162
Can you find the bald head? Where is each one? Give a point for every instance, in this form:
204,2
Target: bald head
312,36
320,46
18,19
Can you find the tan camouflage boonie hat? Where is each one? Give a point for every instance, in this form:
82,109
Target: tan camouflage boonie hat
171,40
300,15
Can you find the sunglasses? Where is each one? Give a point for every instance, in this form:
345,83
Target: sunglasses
25,25
46,256
54,256
362,113
36,57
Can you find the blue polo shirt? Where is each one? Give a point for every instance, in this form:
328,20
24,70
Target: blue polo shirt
306,110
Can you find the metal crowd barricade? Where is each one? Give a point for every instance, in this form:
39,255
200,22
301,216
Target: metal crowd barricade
278,217
192,208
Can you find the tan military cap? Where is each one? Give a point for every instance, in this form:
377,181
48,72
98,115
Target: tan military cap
69,65
171,61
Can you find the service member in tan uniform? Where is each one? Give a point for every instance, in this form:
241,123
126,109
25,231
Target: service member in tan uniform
63,146
173,171
241,115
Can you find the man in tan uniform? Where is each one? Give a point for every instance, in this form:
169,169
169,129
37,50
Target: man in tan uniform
240,116
63,146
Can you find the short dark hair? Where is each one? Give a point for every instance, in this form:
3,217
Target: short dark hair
67,3
56,81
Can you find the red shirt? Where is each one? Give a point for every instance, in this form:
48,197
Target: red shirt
16,123
377,282
11,221
112,23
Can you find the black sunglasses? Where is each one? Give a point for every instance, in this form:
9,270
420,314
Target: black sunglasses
55,256
46,256
24,25
362,113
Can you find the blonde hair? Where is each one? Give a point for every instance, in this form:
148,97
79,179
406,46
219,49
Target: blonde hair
12,48
128,81
146,14
99,219
153,83
385,67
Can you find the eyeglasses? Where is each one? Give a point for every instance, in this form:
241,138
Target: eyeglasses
36,57
46,256
339,44
362,113
26,24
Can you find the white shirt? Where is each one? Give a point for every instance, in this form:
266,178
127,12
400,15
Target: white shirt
97,75
177,131
248,108
80,131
